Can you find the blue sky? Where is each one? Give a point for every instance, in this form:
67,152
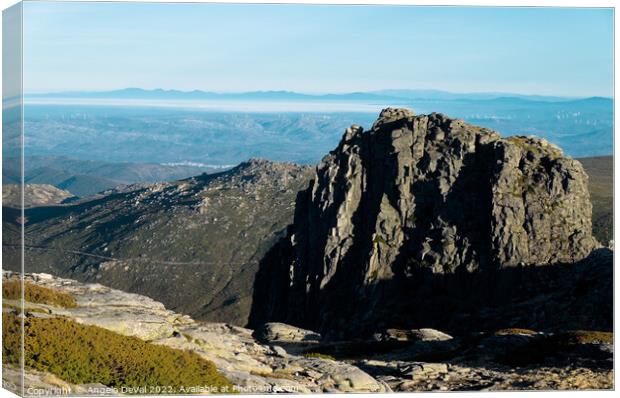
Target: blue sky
227,47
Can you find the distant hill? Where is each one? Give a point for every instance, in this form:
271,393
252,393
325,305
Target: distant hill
446,95
160,94
34,195
87,177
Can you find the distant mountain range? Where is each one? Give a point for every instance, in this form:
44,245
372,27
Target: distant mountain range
380,95
199,128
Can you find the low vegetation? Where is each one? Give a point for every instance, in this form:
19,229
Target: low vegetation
276,374
11,290
83,354
319,355
586,337
16,309
529,145
514,331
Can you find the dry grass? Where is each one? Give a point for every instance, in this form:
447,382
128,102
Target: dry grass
513,331
277,374
319,355
586,337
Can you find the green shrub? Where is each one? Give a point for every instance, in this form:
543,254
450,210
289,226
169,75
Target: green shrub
83,354
11,290
16,309
319,355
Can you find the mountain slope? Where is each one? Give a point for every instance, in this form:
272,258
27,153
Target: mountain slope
601,183
87,177
193,244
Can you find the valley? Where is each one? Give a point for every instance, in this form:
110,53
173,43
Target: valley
150,126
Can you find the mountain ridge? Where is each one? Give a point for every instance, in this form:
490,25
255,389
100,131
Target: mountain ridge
207,233
388,94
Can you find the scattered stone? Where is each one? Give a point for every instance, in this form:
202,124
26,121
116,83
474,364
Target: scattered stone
279,350
425,334
281,332
34,195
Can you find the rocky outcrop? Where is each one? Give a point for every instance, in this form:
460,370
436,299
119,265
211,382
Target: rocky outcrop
420,199
400,360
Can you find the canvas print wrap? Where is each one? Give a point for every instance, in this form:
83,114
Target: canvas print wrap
271,198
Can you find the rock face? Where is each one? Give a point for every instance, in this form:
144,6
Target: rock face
418,198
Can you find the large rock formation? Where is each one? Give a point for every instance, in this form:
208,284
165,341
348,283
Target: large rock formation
421,198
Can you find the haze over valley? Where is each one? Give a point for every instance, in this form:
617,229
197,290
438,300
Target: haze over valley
86,143
221,130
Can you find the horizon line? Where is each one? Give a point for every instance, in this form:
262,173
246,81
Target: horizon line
310,93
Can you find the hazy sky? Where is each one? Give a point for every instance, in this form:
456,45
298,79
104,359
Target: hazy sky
101,46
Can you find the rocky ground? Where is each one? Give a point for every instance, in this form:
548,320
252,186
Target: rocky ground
282,358
417,376
251,366
509,359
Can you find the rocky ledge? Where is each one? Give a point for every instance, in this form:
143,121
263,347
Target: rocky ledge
249,365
